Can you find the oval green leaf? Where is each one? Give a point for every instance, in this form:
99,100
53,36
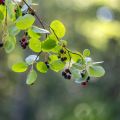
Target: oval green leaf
41,67
35,45
86,53
48,44
20,67
57,65
96,71
31,78
24,22
10,44
58,28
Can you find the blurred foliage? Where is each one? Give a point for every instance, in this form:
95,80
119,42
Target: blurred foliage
93,24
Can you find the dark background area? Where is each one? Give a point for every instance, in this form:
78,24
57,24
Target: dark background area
93,24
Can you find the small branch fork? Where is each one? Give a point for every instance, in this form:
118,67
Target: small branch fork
41,22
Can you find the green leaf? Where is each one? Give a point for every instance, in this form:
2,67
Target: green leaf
75,73
1,16
75,57
48,44
79,66
41,67
32,34
13,30
96,71
18,12
39,30
31,78
24,22
10,9
10,44
35,45
53,58
31,58
57,65
56,49
86,53
20,67
58,28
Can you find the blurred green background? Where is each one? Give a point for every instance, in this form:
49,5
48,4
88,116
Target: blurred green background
93,24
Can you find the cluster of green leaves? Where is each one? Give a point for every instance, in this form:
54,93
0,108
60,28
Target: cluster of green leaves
51,45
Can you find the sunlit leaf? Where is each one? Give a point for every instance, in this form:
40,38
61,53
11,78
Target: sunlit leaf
86,53
31,78
58,28
24,22
20,67
48,44
57,65
41,67
35,45
96,71
10,44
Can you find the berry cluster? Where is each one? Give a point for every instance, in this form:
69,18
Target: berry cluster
2,2
66,74
47,64
24,42
62,55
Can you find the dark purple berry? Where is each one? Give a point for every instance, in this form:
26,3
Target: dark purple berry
65,76
84,83
63,59
24,43
67,71
46,62
2,2
62,51
69,77
63,73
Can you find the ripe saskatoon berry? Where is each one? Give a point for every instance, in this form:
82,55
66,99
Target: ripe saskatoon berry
63,73
84,83
67,71
63,59
24,43
2,2
69,77
66,74
61,51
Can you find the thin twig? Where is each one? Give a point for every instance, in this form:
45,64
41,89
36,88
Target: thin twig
34,14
